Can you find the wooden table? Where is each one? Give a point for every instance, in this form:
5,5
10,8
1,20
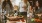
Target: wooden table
15,20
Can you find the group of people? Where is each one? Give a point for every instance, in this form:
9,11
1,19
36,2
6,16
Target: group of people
7,7
24,7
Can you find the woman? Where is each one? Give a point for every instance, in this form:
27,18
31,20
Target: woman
37,6
23,8
7,6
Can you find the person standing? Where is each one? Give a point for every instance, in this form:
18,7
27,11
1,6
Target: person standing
7,6
37,6
23,6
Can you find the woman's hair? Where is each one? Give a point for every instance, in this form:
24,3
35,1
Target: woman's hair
5,3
